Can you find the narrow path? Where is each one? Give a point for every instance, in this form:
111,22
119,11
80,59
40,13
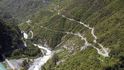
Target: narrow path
87,26
32,34
102,51
47,53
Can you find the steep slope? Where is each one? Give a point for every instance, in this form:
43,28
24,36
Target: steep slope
69,25
10,38
105,16
21,9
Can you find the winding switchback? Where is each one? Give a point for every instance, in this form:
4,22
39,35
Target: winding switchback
103,51
32,34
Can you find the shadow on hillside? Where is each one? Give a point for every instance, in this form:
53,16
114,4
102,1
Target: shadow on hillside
9,39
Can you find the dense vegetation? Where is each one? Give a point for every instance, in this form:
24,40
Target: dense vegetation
10,38
11,42
106,16
22,9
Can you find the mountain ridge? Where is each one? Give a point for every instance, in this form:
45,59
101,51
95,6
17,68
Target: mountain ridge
83,34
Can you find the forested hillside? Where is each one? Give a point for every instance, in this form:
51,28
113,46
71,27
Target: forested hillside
10,38
82,34
22,9
105,16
